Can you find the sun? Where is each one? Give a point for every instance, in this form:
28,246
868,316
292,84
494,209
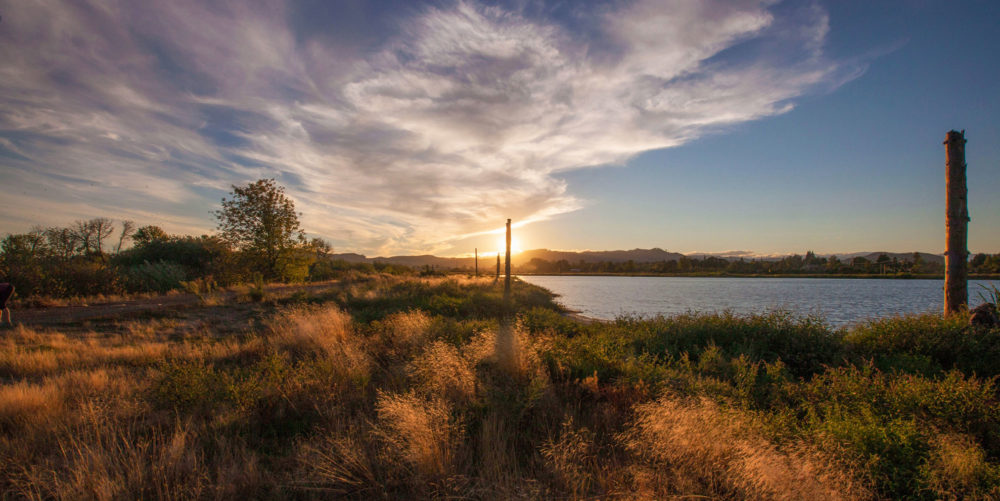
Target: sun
515,244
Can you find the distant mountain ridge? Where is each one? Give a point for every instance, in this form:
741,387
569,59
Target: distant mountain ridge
901,256
616,256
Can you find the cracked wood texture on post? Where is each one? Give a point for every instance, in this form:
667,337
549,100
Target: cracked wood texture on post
956,257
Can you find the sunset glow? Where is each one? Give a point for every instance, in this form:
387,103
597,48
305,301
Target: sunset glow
515,245
417,128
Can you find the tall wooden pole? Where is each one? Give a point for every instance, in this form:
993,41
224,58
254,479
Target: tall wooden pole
506,346
956,257
477,261
506,281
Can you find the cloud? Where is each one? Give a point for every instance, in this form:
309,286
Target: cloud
457,117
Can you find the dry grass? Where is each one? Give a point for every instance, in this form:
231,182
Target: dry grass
320,331
572,459
109,459
313,403
28,353
419,431
401,334
24,404
50,302
443,370
324,332
957,466
340,463
695,447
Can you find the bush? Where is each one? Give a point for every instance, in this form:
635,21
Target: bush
928,344
154,277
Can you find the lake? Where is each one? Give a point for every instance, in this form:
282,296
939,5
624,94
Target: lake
841,301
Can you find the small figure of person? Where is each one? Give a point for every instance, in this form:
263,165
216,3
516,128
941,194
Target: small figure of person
6,291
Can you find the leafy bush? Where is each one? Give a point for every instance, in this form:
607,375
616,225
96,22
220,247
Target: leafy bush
154,277
928,344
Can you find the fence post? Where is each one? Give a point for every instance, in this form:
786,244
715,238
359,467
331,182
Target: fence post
956,257
506,282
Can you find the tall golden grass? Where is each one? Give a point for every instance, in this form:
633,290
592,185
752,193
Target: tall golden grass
419,431
313,403
694,445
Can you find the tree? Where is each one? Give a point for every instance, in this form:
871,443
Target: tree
92,233
321,247
62,242
148,234
261,221
127,228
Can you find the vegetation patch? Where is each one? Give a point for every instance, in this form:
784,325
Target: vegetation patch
398,386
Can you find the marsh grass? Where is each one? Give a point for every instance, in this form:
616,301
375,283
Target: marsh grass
989,294
396,387
698,446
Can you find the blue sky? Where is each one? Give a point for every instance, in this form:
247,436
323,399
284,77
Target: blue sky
404,127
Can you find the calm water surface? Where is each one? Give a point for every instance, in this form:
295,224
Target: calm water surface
840,301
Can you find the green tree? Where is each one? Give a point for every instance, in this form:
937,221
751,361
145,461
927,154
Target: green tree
261,221
148,234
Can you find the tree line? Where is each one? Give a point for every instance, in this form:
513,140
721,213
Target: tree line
259,238
809,264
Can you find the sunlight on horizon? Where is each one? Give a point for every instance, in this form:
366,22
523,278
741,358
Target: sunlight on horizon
515,245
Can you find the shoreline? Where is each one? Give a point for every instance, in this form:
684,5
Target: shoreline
786,275
583,319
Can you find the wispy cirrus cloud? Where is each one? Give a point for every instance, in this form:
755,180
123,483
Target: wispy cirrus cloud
459,115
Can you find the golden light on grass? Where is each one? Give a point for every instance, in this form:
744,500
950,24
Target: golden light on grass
700,446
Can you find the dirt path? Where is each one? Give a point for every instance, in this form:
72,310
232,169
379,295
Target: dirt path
146,307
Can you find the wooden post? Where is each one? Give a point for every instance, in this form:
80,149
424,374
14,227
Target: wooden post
506,345
956,257
506,282
477,261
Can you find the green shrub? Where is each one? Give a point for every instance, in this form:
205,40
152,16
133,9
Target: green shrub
927,344
185,385
154,277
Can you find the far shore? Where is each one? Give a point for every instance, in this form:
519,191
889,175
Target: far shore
902,276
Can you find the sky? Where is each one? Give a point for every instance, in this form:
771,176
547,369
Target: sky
404,127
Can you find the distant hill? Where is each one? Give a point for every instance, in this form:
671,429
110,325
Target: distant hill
418,261
522,258
615,256
901,256
350,257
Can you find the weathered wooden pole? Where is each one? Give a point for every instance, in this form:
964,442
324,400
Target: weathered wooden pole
956,257
506,344
506,281
477,261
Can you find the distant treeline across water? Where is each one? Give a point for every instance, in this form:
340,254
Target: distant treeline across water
810,264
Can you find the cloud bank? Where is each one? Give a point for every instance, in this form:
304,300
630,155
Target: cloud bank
400,136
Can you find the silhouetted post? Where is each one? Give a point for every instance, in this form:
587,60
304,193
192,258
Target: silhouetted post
506,282
506,344
477,261
956,257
